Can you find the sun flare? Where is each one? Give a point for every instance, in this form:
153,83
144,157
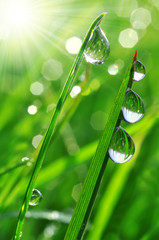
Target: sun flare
17,15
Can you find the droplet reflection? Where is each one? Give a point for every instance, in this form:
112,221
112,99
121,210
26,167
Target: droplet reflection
139,71
98,49
35,198
121,147
133,107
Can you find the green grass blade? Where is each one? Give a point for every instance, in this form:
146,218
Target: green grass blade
10,169
72,108
48,135
113,191
98,164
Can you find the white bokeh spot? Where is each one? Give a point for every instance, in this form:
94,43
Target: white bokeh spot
128,38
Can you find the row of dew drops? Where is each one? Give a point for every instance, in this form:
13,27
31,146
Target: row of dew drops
121,147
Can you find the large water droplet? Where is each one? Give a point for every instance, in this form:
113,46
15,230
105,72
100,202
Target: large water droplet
98,49
35,198
121,147
139,71
133,107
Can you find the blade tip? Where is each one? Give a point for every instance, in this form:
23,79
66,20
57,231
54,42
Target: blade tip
135,54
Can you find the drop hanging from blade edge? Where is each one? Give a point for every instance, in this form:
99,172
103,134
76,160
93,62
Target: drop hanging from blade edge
139,71
35,198
133,107
122,147
98,49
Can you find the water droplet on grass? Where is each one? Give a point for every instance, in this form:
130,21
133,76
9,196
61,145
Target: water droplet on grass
24,159
98,49
133,107
35,198
27,161
139,71
121,147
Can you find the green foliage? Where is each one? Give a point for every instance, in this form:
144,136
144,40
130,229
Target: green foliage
126,206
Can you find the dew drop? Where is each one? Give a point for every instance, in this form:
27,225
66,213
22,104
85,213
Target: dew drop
133,107
121,147
98,49
27,161
24,159
35,198
139,71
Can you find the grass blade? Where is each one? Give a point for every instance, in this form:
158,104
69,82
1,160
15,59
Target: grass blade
48,135
72,108
98,164
10,169
115,188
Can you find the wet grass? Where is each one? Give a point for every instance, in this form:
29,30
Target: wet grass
126,205
47,138
98,165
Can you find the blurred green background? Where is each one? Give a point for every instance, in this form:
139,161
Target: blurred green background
36,57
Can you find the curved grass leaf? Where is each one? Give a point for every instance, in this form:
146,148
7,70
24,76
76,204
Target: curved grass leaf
10,169
46,140
72,107
91,185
